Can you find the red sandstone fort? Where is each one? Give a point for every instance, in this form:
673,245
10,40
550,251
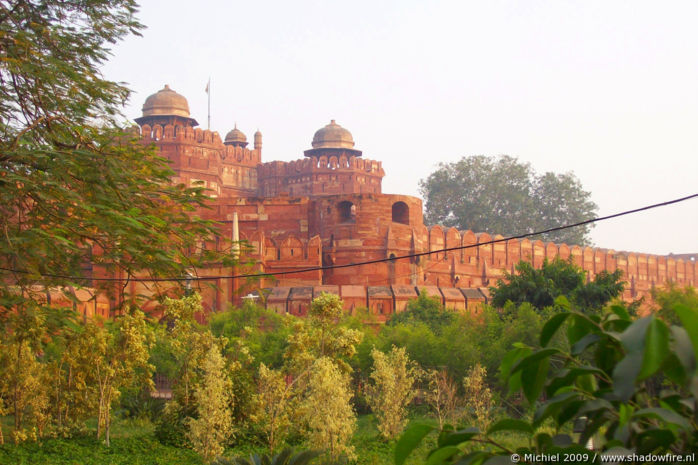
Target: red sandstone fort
327,208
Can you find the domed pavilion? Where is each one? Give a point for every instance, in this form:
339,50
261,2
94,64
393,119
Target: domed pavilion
332,139
166,107
236,138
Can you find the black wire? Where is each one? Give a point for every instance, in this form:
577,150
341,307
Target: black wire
368,262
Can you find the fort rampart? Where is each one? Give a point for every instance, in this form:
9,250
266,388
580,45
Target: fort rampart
327,209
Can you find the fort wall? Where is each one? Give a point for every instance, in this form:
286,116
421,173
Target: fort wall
328,210
337,215
288,243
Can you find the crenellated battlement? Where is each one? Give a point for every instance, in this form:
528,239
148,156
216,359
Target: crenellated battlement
241,155
482,263
179,133
202,137
314,165
199,155
321,176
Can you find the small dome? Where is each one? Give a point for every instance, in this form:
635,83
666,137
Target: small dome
333,136
166,102
235,135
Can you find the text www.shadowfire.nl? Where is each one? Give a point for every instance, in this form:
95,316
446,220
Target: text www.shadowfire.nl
603,458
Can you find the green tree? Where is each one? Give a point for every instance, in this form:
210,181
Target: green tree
442,396
273,405
540,287
120,358
182,352
478,396
326,409
213,425
317,355
424,309
264,332
501,195
319,335
189,343
394,376
47,376
19,370
24,384
665,300
423,345
75,188
69,357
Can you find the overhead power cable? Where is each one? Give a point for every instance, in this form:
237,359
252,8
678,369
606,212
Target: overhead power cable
367,262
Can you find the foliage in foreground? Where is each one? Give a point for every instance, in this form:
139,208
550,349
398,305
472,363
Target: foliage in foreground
285,457
394,376
308,398
56,372
327,413
132,450
213,424
631,383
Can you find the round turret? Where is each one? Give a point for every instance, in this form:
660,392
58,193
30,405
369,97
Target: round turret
236,138
258,140
332,138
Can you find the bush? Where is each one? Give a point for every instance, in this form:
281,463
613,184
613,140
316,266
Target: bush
138,403
171,428
604,380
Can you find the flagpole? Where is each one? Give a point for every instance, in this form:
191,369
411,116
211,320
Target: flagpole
208,91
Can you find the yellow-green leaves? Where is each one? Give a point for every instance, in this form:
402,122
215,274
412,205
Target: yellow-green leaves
393,376
320,335
120,352
327,412
478,397
273,405
209,432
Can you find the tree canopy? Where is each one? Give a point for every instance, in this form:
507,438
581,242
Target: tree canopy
501,195
76,188
423,309
540,287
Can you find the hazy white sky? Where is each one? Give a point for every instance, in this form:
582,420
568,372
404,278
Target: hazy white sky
605,89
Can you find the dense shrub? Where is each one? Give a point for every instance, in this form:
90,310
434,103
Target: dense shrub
171,428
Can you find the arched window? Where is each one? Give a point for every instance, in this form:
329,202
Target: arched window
347,212
401,213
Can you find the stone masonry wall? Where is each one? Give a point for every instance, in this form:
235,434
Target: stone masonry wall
330,211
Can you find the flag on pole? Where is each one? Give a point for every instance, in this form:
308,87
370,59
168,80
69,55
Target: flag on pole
208,93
